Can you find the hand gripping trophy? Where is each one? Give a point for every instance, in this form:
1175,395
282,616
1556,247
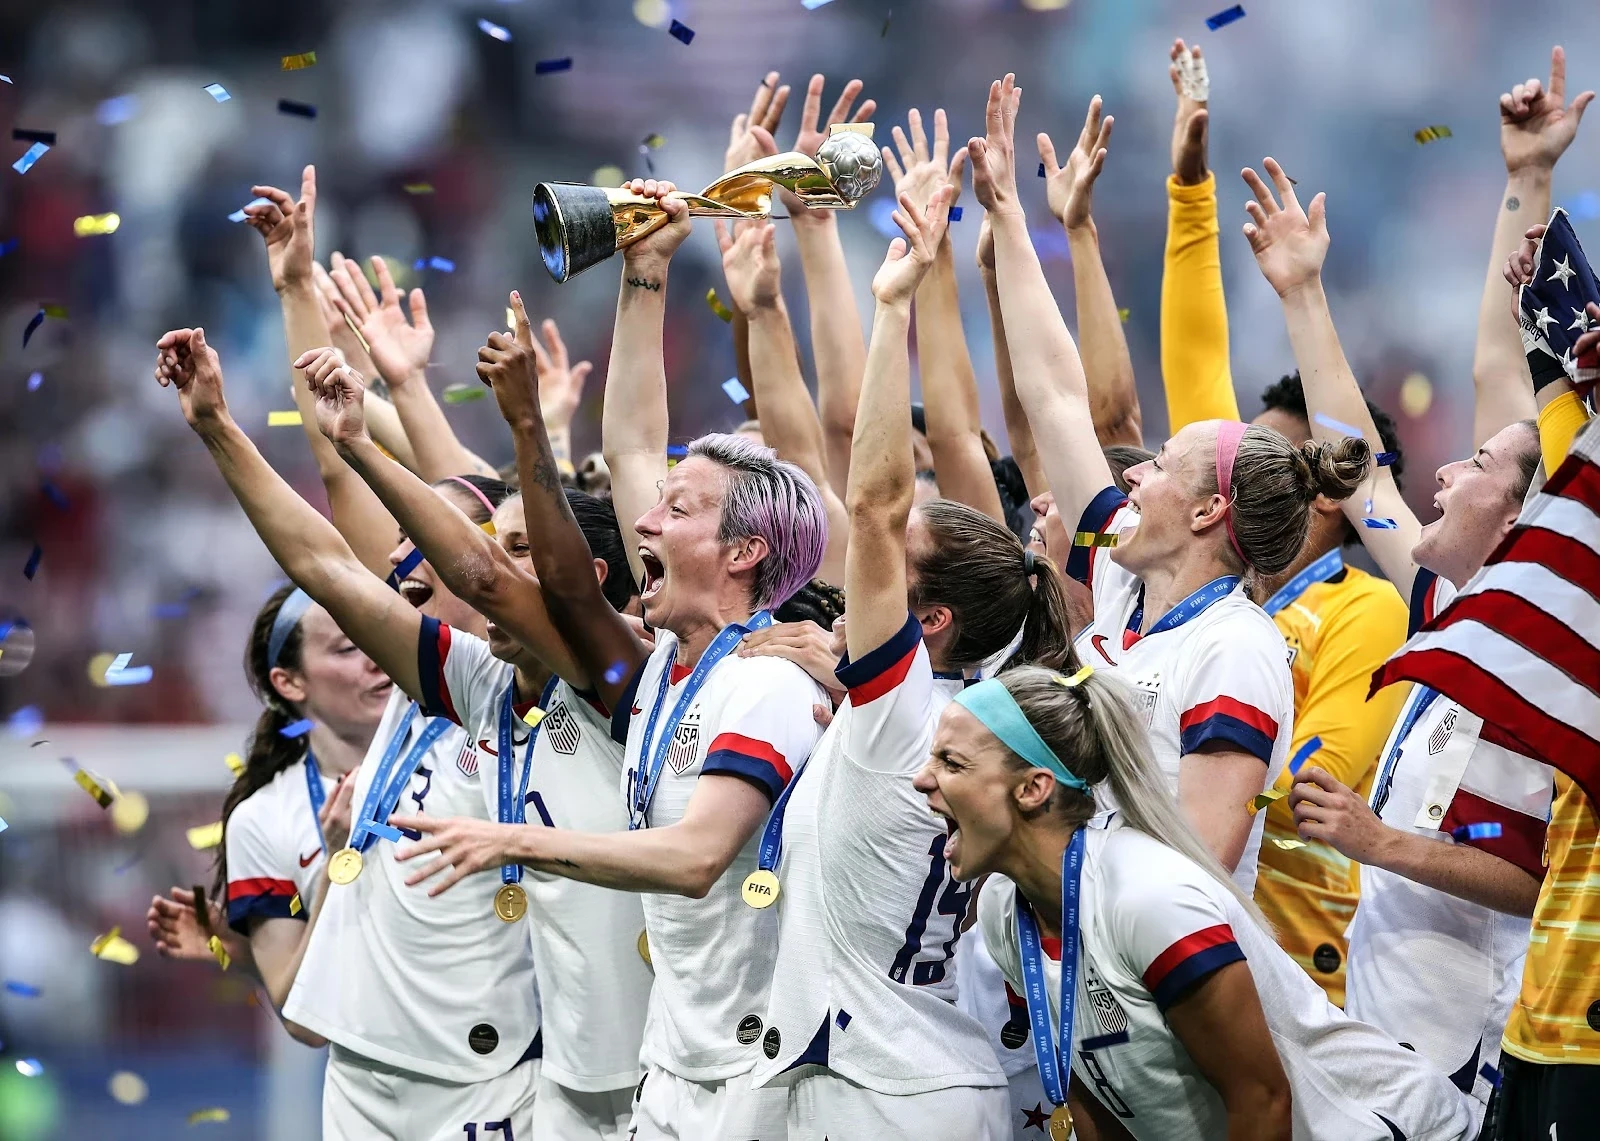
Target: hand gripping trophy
580,226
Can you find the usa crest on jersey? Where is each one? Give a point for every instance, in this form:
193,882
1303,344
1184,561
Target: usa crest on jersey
685,743
1109,1015
1147,691
467,760
560,728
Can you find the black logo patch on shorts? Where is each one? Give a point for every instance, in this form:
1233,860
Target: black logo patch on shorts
483,1038
1013,1034
749,1029
1594,1015
770,1044
1326,958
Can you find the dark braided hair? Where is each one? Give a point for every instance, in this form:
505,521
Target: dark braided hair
816,601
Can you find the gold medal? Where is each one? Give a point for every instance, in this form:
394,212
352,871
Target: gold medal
1060,1123
761,888
345,866
644,949
510,903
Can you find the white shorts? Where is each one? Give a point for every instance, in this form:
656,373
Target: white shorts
670,1108
1027,1103
563,1114
363,1099
826,1107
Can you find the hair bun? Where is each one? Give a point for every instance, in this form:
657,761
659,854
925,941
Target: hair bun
1336,470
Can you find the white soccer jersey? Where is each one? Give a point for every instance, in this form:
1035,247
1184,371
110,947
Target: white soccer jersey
869,913
433,985
1221,674
1152,925
1428,968
275,850
713,957
593,986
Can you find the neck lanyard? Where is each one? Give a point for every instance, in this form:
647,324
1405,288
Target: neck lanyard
1053,1054
1209,594
514,810
390,780
772,836
1322,570
318,794
645,782
1421,697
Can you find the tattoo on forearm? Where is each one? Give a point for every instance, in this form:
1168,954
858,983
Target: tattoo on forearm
1513,203
545,472
644,283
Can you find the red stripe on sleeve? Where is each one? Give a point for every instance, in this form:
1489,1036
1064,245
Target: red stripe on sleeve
246,889
444,684
886,681
1234,708
1189,945
1521,839
757,750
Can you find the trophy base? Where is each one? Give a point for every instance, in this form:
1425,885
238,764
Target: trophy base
574,225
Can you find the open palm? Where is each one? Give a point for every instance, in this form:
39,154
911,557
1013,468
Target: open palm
1290,244
288,229
400,345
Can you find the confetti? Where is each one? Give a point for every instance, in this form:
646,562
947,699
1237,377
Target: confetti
25,722
1288,845
92,224
615,673
59,312
205,836
511,318
7,78
3,824
7,246
551,66
291,107
1380,524
1041,171
120,868
736,391
88,783
289,418
1094,539
418,188
886,20
129,812
217,92
120,674
127,1088
23,135
299,729
494,31
955,213
21,989
235,764
32,155
607,175
30,1067
295,906
239,214
812,5
113,948
1257,803
118,109
1225,17
1385,459
1429,134
55,495
1489,830
1416,395
717,306
464,393
1303,753
443,265
681,32
299,62
400,573
533,717
32,566
201,1116
214,945
1339,425
1123,315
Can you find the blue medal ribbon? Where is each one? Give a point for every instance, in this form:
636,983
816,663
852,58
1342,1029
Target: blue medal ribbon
1322,570
390,781
1053,1054
1421,697
645,783
318,795
514,810
1209,594
772,836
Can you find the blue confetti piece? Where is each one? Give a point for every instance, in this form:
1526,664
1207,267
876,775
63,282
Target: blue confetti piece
121,674
843,1020
1339,425
1225,17
8,245
217,92
33,562
290,107
1366,507
677,451
166,610
299,729
614,673
1490,1075
1041,171
118,109
56,496
1380,524
6,78
26,721
493,31
3,824
1486,831
33,327
811,6
22,990
34,381
736,391
408,564
443,265
681,32
120,868
30,1067
955,213
239,214
32,155
388,833
551,66
24,135
1385,459
1303,754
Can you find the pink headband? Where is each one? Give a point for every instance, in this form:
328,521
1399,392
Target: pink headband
489,507
1229,433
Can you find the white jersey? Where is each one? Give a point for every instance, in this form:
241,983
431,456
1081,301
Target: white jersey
1430,969
869,913
593,985
1218,673
1152,925
433,985
274,850
713,957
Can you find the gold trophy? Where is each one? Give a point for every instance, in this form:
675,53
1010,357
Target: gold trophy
579,226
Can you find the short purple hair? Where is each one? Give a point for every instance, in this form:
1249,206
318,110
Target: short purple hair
774,500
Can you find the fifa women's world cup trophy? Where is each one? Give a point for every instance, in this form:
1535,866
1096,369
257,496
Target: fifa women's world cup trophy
579,226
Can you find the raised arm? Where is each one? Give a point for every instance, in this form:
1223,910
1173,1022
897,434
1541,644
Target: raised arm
309,549
1113,399
289,230
560,391
1290,246
1049,375
1023,448
788,418
1536,128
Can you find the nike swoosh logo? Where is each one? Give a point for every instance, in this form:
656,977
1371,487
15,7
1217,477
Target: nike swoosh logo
636,711
305,861
484,745
1096,640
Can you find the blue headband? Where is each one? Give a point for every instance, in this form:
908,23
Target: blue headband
991,702
288,617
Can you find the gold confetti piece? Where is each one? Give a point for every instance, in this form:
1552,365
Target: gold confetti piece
288,419
350,323
128,1088
201,1116
298,62
113,948
235,764
205,836
59,312
1429,134
92,787
1094,539
511,317
1122,315
533,716
1416,395
487,527
98,665
654,141
214,945
607,175
418,188
1266,798
1288,845
295,906
129,811
464,393
717,306
92,224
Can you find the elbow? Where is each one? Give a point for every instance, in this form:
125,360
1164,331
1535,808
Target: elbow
303,1036
697,873
1273,1112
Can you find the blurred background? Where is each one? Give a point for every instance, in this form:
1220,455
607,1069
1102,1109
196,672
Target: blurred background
144,551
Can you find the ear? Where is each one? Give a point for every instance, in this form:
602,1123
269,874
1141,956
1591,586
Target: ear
1035,791
935,620
1322,505
288,684
747,552
1208,513
601,570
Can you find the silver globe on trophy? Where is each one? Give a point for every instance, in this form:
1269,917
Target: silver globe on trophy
580,226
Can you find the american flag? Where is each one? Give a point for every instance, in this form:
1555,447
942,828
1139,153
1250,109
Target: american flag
1551,306
1520,645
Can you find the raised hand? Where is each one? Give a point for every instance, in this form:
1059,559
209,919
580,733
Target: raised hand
1289,243
1519,266
560,383
335,817
985,254
186,362
1070,188
1536,124
750,137
399,347
176,930
805,644
508,364
909,258
1192,85
918,172
812,134
994,160
750,261
288,228
339,390
654,251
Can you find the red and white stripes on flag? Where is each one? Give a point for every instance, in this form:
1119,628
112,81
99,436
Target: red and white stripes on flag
1520,645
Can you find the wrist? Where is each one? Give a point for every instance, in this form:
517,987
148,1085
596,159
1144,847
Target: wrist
1530,173
1085,231
765,313
296,287
805,220
1303,292
214,426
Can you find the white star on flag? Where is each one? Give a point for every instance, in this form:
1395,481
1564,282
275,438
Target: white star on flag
1580,321
1562,271
1542,318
